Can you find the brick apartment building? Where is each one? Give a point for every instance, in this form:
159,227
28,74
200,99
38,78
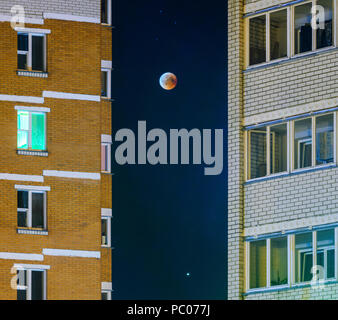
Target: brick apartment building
55,189
283,174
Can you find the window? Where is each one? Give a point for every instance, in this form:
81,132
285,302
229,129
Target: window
31,209
31,51
262,162
31,284
105,157
106,295
105,231
106,11
106,83
283,33
284,261
31,130
313,144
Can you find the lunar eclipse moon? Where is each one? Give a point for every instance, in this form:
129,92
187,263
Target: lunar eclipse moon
168,81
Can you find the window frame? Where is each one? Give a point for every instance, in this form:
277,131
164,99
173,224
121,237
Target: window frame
30,112
108,292
291,263
29,209
290,34
291,168
108,218
29,53
109,13
106,145
28,286
108,77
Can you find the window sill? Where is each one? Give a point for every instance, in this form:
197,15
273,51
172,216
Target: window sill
32,231
32,153
287,174
34,74
287,287
289,59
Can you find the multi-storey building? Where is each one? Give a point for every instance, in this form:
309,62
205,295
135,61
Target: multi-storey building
55,190
283,173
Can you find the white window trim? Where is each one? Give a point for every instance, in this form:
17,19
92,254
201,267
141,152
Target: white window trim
108,245
292,281
32,109
290,35
109,14
28,287
290,148
34,32
31,190
108,145
108,71
108,292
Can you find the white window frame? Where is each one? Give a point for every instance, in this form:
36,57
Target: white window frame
292,281
108,292
29,210
109,14
108,74
108,245
108,153
290,34
29,53
28,286
30,111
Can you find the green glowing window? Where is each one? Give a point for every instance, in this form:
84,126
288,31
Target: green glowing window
31,130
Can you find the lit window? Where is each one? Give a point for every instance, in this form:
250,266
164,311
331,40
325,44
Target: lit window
105,157
31,52
106,11
31,284
31,209
258,264
31,130
105,231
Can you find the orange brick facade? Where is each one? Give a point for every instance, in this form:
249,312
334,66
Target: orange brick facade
73,137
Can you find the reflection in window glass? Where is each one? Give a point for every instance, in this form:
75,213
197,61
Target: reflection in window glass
303,28
258,153
324,139
257,40
278,148
326,253
325,36
279,261
257,264
303,257
278,34
303,143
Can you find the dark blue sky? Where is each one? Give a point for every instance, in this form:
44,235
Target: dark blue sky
169,220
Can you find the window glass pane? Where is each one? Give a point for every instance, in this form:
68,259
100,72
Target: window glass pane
104,76
21,295
303,257
278,148
278,34
38,131
258,153
104,296
23,140
257,39
104,11
303,28
325,252
324,139
23,199
22,277
37,285
37,210
257,264
104,158
22,219
325,36
22,41
38,53
279,261
23,120
303,144
22,61
104,231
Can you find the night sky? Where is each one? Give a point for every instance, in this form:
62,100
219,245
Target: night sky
169,225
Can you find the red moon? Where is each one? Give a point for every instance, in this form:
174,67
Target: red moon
168,81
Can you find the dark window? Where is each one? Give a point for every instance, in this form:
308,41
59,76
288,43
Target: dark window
38,53
303,28
258,40
325,35
37,285
21,294
104,83
37,210
278,34
22,50
22,208
104,11
104,296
